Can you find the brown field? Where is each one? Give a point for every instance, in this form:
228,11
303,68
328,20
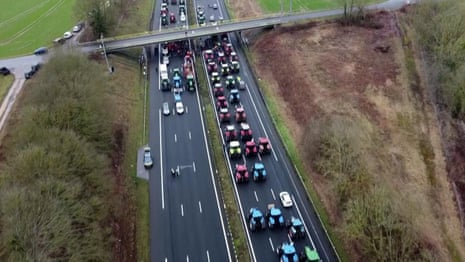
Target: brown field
317,70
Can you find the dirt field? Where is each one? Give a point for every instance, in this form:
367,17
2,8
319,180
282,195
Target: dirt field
325,69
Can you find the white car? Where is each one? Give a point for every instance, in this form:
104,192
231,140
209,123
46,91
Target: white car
285,198
67,35
179,108
148,163
166,60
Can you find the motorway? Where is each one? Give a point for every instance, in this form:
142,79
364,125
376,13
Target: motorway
281,174
187,222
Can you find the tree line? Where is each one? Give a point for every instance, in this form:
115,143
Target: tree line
54,187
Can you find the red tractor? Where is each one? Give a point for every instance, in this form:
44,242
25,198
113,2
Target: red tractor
240,115
221,57
224,115
264,146
250,148
208,55
221,102
233,57
218,90
172,18
228,49
241,174
230,133
212,67
246,132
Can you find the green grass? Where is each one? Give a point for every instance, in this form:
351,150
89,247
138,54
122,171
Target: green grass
274,6
5,83
27,25
273,108
223,176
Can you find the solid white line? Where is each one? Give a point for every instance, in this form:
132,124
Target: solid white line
190,136
182,210
193,166
303,222
200,207
166,259
255,193
187,258
271,243
213,178
161,163
260,120
208,256
272,193
175,138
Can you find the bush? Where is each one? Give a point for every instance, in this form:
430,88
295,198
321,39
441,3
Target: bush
54,190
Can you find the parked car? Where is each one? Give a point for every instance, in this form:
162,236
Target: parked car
40,51
4,71
148,162
78,27
67,35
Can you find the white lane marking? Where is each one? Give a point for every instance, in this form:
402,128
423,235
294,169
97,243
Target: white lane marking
303,222
166,259
213,178
187,258
259,157
161,163
289,237
260,120
193,166
182,210
255,193
271,243
208,256
175,138
190,136
187,110
272,193
200,207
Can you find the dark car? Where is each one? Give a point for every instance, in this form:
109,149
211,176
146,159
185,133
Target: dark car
40,51
4,71
33,70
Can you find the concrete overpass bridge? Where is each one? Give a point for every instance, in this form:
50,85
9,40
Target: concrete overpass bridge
156,37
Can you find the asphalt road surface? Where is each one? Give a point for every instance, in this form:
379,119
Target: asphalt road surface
186,219
281,175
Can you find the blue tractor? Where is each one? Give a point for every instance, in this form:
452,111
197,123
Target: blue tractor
258,172
275,217
256,219
287,252
234,97
296,228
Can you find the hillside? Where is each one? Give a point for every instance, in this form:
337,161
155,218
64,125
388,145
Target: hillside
366,133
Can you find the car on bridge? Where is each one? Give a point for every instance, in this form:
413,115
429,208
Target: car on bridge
256,219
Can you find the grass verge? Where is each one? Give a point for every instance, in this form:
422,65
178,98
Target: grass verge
280,124
133,102
5,83
223,176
